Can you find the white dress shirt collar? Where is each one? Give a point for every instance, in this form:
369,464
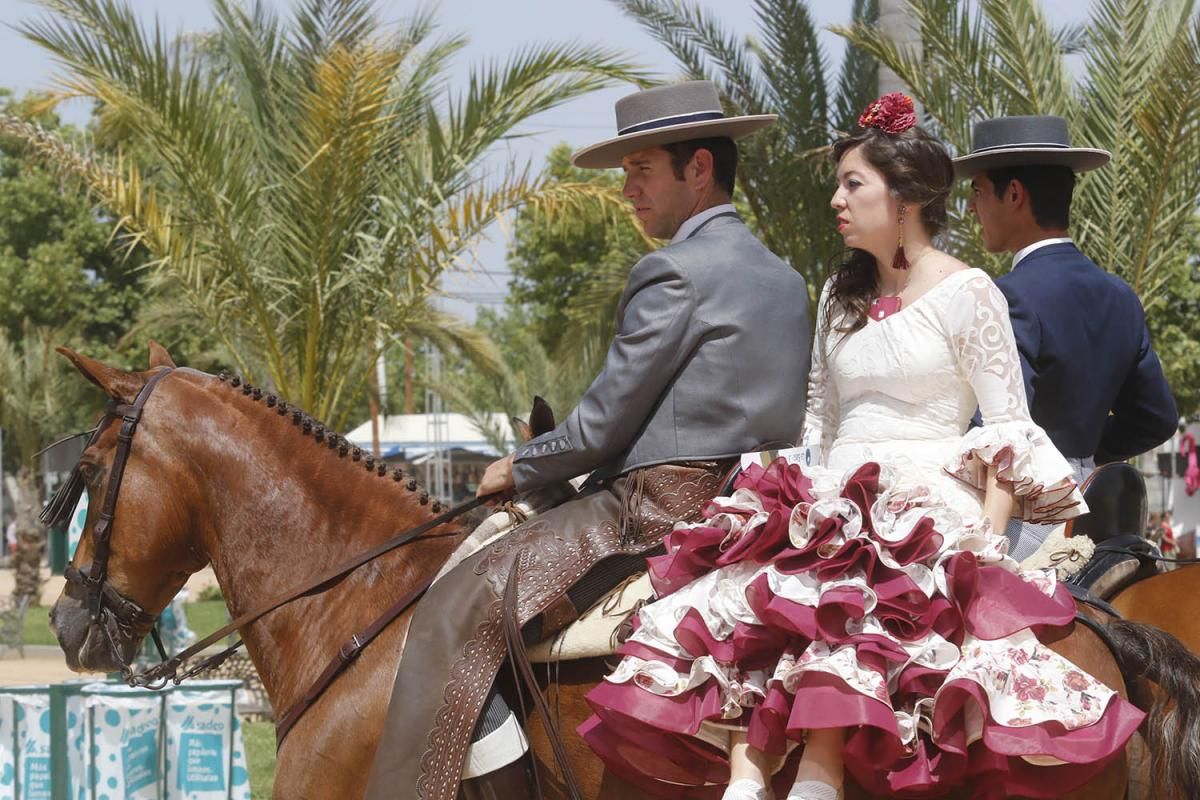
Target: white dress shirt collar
696,220
1024,252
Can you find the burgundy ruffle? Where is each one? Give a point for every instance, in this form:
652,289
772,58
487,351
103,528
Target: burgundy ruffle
650,739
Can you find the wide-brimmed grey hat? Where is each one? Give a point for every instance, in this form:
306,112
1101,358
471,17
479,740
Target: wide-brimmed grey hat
1021,141
666,114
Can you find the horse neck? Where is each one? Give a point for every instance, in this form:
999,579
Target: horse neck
288,511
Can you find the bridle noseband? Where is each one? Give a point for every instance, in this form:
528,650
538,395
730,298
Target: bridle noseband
99,595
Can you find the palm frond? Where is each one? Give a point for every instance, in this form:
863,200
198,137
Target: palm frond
303,179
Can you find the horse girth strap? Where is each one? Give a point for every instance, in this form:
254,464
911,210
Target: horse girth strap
169,668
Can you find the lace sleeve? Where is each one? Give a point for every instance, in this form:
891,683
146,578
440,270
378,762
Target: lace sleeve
982,339
821,411
987,351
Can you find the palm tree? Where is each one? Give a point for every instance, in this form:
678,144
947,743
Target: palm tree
304,182
1138,96
785,175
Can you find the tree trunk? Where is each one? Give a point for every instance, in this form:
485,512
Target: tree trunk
31,537
896,23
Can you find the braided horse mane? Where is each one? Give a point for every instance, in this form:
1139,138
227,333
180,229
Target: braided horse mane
333,441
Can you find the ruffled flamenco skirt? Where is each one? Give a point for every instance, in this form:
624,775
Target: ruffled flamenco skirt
811,599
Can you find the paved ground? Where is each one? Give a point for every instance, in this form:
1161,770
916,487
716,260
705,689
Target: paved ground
46,664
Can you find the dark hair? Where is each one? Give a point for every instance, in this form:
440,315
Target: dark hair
917,170
1050,187
724,156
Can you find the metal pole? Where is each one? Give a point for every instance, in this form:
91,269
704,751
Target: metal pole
1,486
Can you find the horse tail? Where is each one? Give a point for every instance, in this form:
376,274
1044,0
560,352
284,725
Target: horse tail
1172,726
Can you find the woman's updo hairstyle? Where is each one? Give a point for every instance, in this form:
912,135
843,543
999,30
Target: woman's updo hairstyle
917,170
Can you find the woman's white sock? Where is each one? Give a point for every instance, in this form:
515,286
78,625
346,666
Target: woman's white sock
746,789
812,790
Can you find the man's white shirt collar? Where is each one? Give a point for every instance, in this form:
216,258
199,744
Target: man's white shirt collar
691,223
1025,251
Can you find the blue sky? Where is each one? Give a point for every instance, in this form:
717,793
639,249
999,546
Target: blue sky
495,30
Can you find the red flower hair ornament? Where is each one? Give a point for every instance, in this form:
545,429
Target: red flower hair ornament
892,113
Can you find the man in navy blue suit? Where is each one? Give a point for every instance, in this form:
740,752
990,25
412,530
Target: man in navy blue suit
1092,379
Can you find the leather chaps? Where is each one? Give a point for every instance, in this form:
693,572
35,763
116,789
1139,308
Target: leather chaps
455,643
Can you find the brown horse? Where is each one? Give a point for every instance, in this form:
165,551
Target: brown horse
1169,600
218,476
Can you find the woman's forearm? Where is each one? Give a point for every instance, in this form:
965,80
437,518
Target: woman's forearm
997,502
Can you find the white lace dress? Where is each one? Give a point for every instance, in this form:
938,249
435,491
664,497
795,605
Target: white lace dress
870,593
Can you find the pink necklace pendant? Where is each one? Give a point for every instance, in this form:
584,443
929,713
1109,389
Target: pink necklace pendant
884,307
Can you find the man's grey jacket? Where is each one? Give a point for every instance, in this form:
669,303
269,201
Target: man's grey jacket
710,359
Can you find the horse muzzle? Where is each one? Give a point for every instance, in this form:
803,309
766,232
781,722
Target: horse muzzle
101,646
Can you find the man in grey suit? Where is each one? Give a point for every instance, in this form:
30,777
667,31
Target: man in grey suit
710,360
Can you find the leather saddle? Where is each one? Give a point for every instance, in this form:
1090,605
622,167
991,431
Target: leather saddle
1116,521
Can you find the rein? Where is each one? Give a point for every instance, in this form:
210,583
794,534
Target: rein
158,675
101,598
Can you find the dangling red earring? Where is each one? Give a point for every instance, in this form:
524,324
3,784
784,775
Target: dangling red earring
900,261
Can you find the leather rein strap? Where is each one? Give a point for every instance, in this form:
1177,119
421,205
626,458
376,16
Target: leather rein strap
168,670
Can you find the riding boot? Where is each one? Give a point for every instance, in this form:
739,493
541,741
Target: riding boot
510,782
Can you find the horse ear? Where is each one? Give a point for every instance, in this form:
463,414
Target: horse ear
524,434
118,384
541,418
159,357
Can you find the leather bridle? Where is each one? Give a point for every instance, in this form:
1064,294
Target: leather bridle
100,598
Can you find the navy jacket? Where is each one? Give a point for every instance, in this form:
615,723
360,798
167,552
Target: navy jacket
1093,381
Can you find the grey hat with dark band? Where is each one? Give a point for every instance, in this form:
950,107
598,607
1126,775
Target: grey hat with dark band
675,113
1026,141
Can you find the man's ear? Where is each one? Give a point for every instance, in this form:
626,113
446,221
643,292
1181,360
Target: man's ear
1016,193
702,163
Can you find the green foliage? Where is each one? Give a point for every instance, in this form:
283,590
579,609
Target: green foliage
1138,96
61,281
529,370
1176,339
785,172
301,183
65,283
32,391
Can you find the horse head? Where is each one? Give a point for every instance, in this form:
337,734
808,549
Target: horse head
150,539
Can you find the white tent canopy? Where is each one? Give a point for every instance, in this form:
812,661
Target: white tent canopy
411,434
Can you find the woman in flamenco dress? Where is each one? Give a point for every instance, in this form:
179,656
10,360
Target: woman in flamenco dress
862,617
